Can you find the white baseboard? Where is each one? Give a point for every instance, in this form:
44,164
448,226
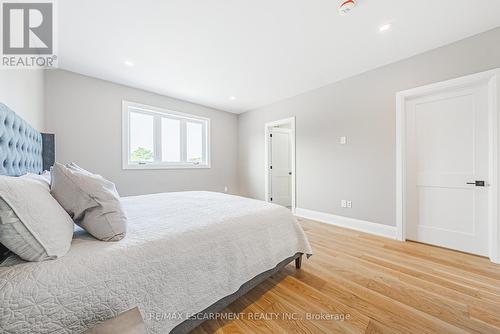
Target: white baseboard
351,223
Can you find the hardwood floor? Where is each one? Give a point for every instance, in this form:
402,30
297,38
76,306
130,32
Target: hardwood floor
381,285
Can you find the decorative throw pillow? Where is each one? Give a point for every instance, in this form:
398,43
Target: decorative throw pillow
91,200
32,224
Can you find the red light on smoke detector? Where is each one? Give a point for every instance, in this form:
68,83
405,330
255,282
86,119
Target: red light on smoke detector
346,7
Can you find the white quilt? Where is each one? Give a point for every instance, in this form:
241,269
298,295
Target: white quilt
183,252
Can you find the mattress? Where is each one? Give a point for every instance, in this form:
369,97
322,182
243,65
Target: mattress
183,252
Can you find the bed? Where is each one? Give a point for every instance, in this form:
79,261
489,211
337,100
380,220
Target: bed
186,255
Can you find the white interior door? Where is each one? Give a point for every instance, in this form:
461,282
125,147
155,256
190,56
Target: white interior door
447,152
280,172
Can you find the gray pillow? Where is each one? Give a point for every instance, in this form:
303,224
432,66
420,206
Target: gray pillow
32,224
91,200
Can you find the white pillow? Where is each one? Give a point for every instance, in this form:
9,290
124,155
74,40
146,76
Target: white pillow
32,224
91,200
44,177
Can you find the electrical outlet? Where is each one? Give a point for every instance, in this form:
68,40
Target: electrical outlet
349,204
343,203
226,189
343,140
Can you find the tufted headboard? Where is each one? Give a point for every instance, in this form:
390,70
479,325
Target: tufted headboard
22,148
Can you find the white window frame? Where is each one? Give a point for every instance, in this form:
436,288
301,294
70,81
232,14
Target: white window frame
158,113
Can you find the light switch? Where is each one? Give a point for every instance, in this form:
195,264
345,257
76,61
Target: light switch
343,140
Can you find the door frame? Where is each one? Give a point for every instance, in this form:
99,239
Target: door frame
492,79
267,130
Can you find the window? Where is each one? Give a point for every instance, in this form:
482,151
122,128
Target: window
154,138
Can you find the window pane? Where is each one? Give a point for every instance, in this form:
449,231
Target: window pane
171,140
141,137
194,142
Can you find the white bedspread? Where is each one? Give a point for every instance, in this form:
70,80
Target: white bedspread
183,252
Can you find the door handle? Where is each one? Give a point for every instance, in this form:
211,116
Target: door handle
478,183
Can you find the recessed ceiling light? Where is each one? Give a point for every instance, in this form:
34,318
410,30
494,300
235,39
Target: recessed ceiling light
232,98
128,63
384,27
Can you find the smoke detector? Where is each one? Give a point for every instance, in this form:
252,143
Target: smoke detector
346,6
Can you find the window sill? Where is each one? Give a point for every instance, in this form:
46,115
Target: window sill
160,166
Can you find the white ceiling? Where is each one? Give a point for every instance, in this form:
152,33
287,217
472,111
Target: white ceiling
259,51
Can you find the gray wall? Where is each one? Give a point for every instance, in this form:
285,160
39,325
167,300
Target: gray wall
22,91
363,109
86,116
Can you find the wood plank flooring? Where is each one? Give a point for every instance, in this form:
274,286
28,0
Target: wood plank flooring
378,285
